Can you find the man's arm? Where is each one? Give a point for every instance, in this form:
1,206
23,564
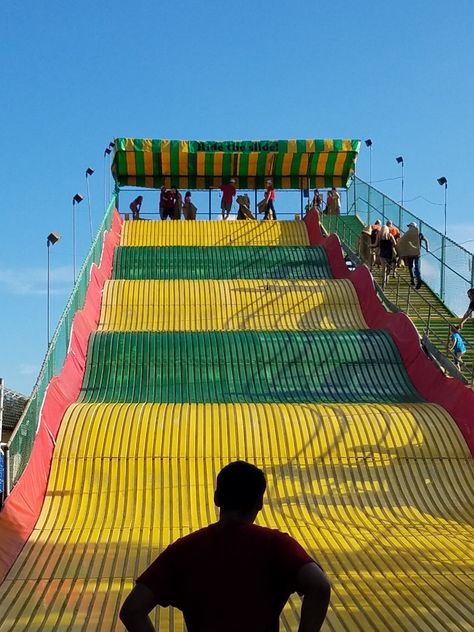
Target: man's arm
313,584
135,609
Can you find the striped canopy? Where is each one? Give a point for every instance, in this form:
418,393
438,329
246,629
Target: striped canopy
191,164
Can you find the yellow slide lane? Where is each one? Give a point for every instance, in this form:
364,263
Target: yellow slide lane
230,305
382,496
220,233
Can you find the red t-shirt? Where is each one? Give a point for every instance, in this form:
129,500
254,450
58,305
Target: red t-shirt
228,192
270,193
231,577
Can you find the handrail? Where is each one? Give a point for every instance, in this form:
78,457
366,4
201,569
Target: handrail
431,252
447,365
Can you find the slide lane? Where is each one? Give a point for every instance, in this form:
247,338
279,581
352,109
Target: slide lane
218,233
379,493
182,305
245,366
221,262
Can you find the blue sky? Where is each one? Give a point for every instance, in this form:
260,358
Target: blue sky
75,75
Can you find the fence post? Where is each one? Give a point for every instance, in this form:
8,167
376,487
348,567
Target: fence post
400,216
472,271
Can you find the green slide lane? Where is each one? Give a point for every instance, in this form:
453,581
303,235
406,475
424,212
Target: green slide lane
245,366
221,262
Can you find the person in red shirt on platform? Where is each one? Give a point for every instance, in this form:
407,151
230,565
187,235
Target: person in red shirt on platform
232,576
228,192
269,200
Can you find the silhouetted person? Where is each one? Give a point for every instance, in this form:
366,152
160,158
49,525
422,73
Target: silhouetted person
232,576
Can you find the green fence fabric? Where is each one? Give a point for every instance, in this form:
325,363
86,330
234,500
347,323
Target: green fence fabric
355,366
21,442
348,227
221,262
291,164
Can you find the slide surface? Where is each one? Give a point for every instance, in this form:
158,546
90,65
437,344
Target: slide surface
187,372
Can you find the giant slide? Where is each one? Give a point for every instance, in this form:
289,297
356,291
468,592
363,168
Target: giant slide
250,340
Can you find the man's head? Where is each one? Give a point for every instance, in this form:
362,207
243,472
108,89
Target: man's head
470,292
412,225
454,329
377,222
240,488
389,223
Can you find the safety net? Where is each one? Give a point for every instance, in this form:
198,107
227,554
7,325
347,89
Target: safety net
291,164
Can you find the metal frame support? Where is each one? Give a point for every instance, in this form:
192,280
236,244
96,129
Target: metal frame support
443,268
210,204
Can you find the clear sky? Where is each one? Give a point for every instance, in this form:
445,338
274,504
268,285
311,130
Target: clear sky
74,75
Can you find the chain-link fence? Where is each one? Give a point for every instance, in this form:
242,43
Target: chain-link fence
447,268
21,442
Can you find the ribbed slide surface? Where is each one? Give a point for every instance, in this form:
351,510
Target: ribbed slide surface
192,369
248,233
221,262
229,305
248,366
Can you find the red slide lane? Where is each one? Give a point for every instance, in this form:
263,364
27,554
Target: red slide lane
428,380
22,508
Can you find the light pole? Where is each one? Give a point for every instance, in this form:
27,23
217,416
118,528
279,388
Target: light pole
107,152
77,199
399,159
89,172
443,182
368,143
51,239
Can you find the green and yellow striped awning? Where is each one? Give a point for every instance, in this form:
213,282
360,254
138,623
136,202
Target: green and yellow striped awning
191,164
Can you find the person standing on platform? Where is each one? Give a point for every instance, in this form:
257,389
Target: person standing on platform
232,576
177,203
270,196
136,207
228,193
317,202
167,203
333,203
189,210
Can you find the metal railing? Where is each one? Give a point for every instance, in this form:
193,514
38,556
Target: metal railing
448,268
408,304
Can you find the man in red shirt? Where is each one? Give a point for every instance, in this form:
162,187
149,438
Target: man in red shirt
228,192
232,576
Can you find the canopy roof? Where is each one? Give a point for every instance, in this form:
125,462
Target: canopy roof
191,164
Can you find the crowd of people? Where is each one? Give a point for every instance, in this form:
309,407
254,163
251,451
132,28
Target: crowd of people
385,246
173,206
333,202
